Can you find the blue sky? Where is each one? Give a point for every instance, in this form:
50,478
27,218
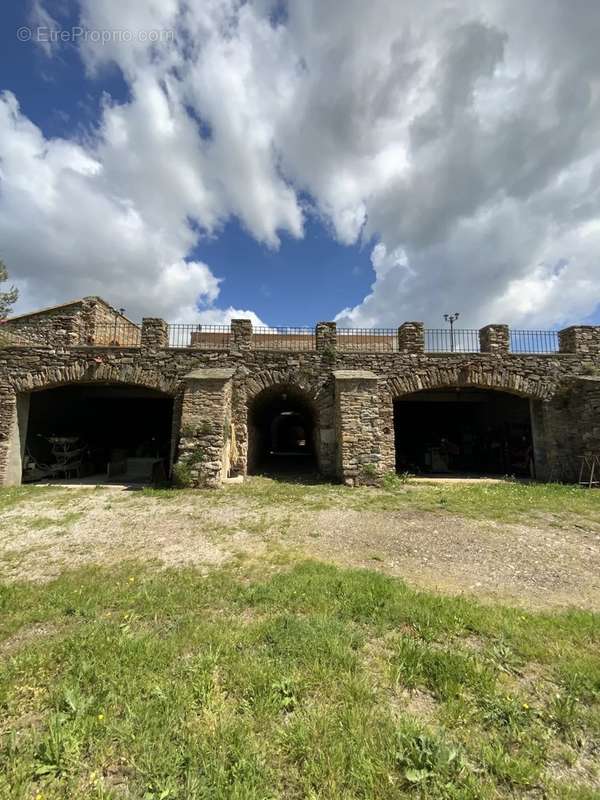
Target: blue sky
278,284
367,164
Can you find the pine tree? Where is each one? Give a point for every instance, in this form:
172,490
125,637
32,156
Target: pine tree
7,299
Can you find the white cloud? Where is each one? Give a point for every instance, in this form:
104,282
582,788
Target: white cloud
462,136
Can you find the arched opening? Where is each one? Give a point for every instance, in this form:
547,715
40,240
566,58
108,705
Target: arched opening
98,432
281,432
466,431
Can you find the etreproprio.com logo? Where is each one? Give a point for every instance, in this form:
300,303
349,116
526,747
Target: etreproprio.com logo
76,34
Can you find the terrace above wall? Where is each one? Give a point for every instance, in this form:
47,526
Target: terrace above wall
409,338
91,322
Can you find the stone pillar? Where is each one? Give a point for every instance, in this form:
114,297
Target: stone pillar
155,333
411,337
494,339
581,339
205,428
89,320
326,336
66,331
241,335
14,418
358,427
8,413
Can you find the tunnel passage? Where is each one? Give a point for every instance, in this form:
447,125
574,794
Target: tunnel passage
107,431
464,431
281,432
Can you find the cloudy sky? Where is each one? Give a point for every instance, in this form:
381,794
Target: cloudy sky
304,160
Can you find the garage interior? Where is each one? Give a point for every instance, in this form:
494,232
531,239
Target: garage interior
460,431
100,432
281,431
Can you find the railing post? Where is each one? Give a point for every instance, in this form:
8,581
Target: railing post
494,339
411,337
581,339
67,331
155,333
326,336
241,335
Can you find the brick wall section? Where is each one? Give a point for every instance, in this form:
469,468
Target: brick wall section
565,409
494,339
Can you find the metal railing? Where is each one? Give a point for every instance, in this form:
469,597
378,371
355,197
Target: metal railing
115,334
221,337
367,340
534,341
204,337
284,338
460,340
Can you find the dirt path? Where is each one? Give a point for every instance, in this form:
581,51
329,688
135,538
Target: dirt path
527,565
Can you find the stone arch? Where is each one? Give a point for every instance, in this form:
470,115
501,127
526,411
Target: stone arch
317,387
266,379
25,387
85,372
481,376
531,391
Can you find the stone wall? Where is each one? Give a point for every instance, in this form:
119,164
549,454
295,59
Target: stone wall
213,390
87,321
358,427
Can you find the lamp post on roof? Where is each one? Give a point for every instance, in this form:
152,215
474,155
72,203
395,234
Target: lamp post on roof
451,318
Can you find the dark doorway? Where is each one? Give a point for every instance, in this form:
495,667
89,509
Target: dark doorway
281,432
463,431
104,431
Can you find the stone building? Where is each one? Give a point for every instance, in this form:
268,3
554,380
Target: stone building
211,402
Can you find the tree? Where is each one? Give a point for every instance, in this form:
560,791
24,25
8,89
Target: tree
9,298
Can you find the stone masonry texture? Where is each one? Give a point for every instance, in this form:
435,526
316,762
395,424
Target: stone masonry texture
352,392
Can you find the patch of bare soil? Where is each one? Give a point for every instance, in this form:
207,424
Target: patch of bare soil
526,565
535,565
112,528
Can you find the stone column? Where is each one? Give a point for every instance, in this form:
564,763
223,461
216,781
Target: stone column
205,428
155,333
581,339
358,427
326,336
89,320
14,418
241,335
411,337
66,331
494,339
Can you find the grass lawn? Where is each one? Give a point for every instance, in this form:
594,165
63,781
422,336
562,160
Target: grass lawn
285,678
510,501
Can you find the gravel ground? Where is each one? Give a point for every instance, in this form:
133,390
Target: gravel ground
534,565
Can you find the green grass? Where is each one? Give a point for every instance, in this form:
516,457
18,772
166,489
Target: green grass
289,680
508,501
11,499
